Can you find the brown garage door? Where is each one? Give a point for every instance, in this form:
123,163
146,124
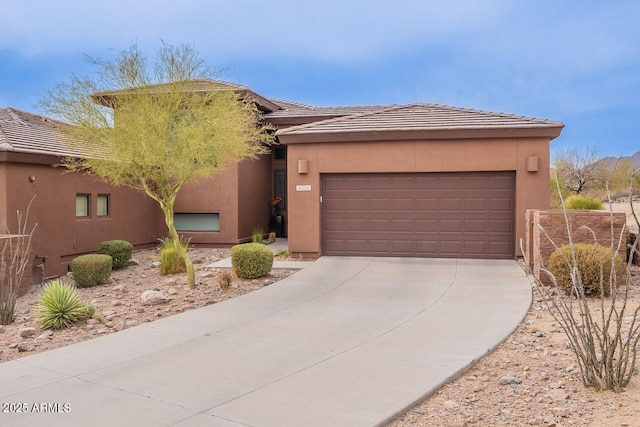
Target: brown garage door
468,215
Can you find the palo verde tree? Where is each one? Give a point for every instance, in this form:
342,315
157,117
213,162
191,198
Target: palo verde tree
156,126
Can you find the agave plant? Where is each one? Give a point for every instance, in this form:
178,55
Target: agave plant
59,305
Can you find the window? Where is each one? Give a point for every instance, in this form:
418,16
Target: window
196,221
280,153
103,205
82,205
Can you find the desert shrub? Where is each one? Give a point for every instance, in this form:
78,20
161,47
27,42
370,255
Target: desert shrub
225,279
558,192
91,270
14,261
272,237
251,260
119,250
171,259
577,202
59,306
593,262
257,235
283,253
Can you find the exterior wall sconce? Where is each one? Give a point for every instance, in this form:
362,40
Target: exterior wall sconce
532,164
303,166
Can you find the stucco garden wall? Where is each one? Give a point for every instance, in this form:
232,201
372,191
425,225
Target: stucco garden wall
548,229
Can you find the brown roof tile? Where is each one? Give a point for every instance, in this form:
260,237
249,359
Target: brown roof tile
196,85
420,118
292,109
29,133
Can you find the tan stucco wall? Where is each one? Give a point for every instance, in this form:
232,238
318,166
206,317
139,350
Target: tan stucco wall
532,188
59,235
254,189
217,194
240,194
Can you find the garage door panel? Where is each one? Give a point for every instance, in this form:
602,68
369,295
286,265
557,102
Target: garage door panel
475,204
357,205
451,205
426,204
475,248
423,214
383,205
332,225
475,226
356,225
429,225
451,226
380,225
451,248
399,205
501,182
501,205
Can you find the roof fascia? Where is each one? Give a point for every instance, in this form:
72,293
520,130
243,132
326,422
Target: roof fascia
404,135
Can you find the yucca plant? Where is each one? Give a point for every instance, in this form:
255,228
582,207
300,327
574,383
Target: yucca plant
59,306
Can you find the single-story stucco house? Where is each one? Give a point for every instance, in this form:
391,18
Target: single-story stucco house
421,180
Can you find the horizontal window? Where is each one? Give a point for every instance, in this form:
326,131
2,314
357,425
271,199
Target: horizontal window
82,205
196,221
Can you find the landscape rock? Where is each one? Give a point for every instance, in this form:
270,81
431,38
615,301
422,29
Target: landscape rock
171,281
153,297
133,262
13,345
155,264
509,380
208,274
45,335
558,394
22,348
27,332
120,326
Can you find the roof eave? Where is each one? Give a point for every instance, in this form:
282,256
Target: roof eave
107,99
298,137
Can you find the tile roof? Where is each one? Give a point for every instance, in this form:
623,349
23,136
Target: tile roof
30,133
293,109
420,117
196,85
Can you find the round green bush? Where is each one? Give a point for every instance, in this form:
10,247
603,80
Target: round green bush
59,306
591,260
577,202
119,250
90,270
251,260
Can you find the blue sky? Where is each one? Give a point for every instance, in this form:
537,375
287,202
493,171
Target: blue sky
577,61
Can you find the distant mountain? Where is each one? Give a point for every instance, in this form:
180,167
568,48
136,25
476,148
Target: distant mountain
611,161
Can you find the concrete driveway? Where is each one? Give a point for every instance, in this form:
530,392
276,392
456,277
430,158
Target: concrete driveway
344,342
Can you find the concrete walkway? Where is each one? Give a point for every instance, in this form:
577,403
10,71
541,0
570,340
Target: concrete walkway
344,342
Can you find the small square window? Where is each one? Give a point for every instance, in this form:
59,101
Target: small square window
82,205
103,205
280,153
